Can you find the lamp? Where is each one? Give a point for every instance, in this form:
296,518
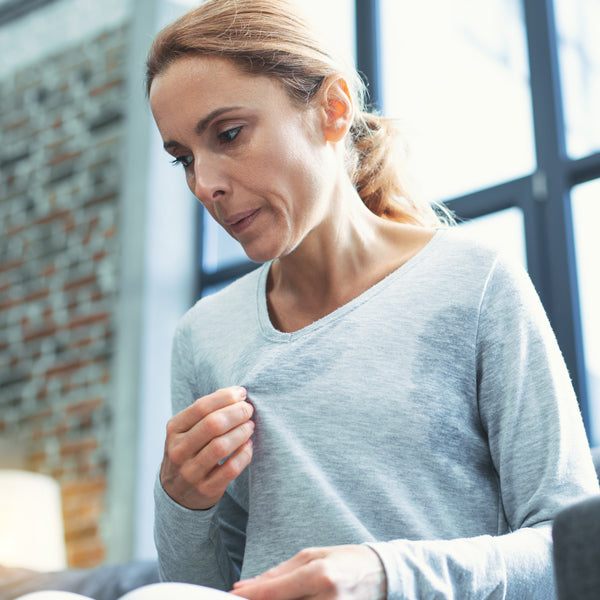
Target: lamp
31,525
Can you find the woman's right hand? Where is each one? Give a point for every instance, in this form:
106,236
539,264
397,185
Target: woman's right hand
199,438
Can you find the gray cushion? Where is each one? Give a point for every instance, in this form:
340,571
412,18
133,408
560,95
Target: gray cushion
576,534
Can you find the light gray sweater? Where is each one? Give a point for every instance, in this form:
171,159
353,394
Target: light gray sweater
432,418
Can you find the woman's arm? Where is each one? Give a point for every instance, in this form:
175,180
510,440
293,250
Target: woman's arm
198,546
202,547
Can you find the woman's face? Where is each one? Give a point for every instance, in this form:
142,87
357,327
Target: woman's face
259,164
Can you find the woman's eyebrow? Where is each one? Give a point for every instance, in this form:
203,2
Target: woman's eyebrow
204,123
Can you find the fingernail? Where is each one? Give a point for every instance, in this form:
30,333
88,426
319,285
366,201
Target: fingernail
241,392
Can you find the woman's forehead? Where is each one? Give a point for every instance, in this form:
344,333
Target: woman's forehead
209,77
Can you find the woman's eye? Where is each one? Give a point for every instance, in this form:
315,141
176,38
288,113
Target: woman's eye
230,134
185,161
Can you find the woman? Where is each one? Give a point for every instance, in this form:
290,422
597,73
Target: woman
379,410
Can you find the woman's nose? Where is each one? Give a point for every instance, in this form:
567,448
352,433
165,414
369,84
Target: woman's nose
208,184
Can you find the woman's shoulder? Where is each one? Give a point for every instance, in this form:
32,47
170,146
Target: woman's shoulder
458,240
456,253
464,265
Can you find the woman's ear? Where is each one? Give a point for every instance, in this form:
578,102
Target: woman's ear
337,108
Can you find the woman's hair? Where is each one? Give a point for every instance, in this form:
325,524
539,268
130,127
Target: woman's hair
269,37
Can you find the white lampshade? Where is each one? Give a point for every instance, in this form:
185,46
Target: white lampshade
31,524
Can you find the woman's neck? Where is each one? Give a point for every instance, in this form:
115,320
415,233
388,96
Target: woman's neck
345,255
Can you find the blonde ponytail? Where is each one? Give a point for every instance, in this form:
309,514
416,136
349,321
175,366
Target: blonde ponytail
375,169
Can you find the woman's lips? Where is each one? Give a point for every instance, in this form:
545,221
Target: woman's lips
241,221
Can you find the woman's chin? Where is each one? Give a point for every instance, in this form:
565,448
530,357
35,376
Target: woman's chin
260,255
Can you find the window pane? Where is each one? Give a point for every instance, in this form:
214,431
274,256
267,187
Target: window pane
322,14
586,216
213,289
578,24
503,229
457,78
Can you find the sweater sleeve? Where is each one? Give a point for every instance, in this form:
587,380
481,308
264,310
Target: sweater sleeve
197,546
537,445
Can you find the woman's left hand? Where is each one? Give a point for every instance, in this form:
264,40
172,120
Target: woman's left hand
352,572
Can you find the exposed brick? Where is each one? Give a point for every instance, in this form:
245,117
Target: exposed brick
38,416
37,458
67,368
49,270
15,230
97,91
86,320
60,178
110,232
82,487
78,446
59,430
81,282
58,159
86,555
58,143
11,264
98,256
38,334
38,295
16,125
53,216
82,343
9,303
85,406
101,200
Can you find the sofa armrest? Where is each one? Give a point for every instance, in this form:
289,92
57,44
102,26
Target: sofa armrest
576,534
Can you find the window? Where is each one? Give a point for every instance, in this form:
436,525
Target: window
586,216
456,76
504,230
578,24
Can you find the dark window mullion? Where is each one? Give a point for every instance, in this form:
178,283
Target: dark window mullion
551,211
584,169
228,274
368,49
490,200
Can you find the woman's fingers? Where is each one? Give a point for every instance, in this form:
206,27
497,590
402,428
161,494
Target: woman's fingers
349,572
207,446
193,414
220,477
303,576
184,445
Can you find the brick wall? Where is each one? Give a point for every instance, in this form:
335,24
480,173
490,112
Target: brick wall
61,161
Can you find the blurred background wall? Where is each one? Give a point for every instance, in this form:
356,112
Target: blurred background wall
63,129
95,266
